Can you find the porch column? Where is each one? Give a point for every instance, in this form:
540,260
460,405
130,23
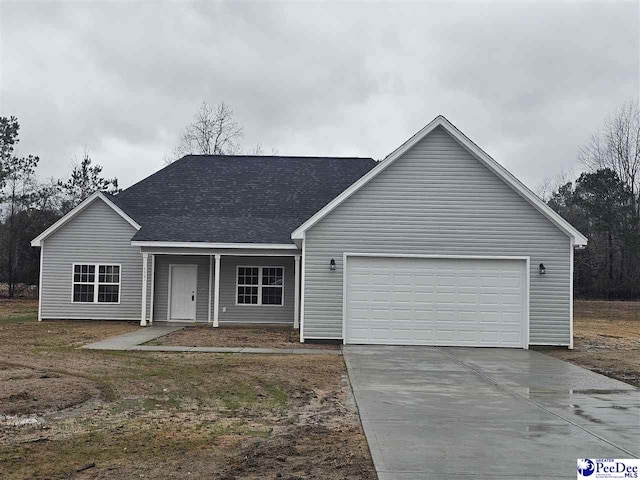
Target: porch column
216,290
296,300
210,287
153,288
145,262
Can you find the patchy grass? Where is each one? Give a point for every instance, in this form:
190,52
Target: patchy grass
606,339
18,310
102,447
254,337
168,415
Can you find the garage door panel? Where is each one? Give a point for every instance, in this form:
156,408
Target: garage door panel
511,318
400,297
426,301
379,279
361,296
507,337
511,299
467,317
428,280
470,298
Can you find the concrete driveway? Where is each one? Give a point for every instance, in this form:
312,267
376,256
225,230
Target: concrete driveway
463,413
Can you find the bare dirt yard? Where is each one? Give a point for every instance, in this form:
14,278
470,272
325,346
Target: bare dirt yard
267,337
606,339
69,413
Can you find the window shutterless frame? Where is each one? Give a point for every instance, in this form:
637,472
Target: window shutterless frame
96,283
260,286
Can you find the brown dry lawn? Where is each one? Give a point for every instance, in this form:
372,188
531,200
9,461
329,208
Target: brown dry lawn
606,339
266,337
154,415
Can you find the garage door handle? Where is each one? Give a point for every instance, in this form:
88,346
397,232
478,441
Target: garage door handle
193,297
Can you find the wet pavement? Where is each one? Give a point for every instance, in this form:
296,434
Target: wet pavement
463,413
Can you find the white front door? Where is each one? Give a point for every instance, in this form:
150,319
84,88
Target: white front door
182,286
436,301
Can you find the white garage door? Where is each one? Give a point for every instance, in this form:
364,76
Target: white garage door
435,301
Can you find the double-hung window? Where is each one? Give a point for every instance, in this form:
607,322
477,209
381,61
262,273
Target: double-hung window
260,286
96,283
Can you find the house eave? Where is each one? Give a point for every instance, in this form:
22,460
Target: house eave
256,246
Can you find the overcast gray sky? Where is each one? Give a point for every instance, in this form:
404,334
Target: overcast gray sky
528,82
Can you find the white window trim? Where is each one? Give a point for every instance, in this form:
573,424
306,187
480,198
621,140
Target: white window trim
96,283
259,285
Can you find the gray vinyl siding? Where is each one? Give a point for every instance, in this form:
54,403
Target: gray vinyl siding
95,235
228,265
437,199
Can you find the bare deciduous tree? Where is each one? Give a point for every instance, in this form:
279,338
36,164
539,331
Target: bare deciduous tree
548,186
545,189
259,150
213,132
617,146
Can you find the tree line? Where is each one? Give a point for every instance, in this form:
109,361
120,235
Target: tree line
28,206
604,204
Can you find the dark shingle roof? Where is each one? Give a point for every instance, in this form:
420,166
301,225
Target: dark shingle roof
236,199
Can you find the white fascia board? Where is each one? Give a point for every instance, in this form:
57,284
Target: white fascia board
477,152
37,242
262,246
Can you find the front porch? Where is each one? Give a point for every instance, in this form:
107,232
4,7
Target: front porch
193,286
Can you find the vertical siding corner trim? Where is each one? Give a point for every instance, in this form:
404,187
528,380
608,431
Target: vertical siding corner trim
571,252
302,288
40,282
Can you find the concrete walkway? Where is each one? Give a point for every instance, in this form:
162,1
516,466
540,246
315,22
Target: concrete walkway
127,341
135,340
467,413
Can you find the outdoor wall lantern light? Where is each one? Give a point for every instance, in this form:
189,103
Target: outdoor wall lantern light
542,269
332,264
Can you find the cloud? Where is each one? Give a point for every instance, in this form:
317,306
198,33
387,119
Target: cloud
528,82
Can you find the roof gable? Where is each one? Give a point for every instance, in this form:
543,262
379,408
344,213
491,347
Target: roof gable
37,242
476,152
